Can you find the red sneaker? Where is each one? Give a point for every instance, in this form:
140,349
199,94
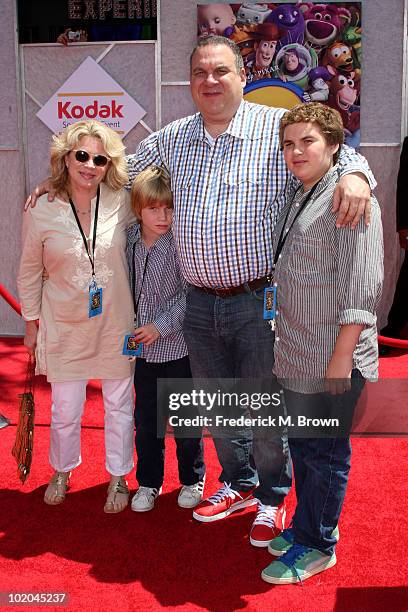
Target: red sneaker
268,523
222,503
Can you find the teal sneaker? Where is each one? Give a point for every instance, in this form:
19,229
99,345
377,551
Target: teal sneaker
281,544
297,565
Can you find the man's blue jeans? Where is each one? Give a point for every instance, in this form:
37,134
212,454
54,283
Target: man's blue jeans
228,338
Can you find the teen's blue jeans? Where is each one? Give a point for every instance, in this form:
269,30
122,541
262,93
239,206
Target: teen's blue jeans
228,338
321,467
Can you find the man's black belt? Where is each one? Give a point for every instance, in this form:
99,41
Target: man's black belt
253,285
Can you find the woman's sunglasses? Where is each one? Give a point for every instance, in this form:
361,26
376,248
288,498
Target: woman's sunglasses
83,156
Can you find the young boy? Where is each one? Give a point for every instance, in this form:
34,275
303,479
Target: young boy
159,299
328,283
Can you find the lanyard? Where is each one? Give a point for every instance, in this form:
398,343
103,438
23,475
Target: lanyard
91,259
136,302
283,236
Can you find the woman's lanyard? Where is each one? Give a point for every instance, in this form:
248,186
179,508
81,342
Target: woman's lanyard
285,231
136,302
91,259
95,294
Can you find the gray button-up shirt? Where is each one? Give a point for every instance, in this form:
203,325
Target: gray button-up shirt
326,277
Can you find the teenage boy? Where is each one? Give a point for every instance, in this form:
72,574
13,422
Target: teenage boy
328,282
160,301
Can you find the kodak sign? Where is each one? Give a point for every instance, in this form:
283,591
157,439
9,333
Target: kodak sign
91,93
68,110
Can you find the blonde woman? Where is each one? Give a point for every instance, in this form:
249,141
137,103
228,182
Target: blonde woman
84,308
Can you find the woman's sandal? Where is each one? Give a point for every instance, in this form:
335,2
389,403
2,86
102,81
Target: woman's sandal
57,487
118,496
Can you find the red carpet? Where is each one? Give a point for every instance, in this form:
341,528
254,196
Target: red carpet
163,559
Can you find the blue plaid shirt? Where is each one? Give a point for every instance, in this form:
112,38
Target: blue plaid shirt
227,197
161,294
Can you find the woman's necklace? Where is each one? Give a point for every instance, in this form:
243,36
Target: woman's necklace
80,212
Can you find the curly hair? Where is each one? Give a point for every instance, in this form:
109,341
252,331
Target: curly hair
150,186
328,119
116,175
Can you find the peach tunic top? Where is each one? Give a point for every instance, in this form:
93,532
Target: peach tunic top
70,345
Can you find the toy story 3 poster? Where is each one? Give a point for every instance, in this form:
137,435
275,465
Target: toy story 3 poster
295,52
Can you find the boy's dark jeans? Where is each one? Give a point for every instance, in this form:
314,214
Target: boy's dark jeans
150,449
321,467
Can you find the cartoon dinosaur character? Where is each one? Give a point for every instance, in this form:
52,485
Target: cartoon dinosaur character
352,36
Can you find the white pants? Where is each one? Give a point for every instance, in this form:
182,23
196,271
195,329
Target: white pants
68,399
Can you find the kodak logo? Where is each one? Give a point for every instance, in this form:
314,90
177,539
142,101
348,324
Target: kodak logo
68,111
